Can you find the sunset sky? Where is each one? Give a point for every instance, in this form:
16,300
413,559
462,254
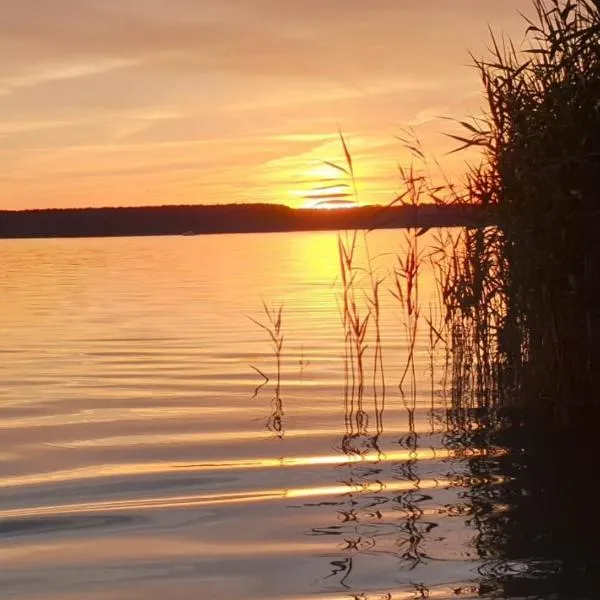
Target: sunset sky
139,102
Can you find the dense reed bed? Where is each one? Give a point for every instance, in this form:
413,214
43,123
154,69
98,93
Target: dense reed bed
523,297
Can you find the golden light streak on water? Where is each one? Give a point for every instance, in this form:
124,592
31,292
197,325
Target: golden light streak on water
124,469
192,501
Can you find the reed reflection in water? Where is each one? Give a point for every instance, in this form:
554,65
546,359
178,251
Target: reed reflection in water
140,460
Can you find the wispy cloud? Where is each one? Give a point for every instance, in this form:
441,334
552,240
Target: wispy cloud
63,72
245,91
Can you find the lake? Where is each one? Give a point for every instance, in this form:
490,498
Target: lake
155,445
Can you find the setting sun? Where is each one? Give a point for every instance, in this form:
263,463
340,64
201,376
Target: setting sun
324,186
328,196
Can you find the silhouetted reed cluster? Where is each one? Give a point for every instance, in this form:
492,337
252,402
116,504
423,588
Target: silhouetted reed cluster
523,297
356,317
522,318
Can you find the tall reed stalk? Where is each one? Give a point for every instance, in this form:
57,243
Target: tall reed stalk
360,310
273,327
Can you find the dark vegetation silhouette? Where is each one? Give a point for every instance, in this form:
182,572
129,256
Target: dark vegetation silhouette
522,313
523,305
525,294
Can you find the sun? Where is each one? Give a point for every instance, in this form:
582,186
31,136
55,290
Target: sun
324,189
328,196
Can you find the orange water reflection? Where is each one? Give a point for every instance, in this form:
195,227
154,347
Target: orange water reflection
129,391
137,469
191,501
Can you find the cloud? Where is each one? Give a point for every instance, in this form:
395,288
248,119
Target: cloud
178,81
315,38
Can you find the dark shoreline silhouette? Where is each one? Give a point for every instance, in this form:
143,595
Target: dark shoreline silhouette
228,218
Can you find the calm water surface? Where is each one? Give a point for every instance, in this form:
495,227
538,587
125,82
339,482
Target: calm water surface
141,457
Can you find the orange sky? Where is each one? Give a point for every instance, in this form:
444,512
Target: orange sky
131,102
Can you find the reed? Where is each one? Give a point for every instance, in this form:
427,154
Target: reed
273,327
360,312
529,289
405,289
438,255
362,321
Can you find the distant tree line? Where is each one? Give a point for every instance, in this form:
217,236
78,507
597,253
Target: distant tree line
229,218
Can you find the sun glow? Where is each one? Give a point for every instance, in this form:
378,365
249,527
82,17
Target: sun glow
313,182
327,193
334,195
